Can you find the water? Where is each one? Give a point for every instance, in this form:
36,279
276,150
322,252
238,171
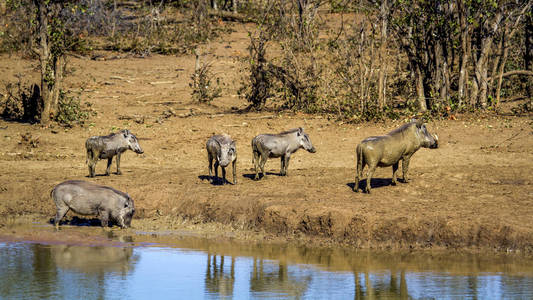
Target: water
196,268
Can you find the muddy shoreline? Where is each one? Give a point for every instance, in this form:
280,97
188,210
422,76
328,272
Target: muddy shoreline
164,231
474,192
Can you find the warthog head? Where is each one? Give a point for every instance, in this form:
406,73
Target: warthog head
427,140
133,143
304,140
126,213
227,154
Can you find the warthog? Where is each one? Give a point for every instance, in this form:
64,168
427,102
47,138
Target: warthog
102,147
282,145
222,149
87,198
387,150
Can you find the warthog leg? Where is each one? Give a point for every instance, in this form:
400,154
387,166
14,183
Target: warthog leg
371,169
394,172
210,160
118,165
262,164
216,168
284,164
92,168
256,165
234,167
61,212
109,161
91,162
405,168
359,166
121,222
104,218
223,175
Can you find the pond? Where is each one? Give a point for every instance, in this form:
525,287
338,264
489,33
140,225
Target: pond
152,266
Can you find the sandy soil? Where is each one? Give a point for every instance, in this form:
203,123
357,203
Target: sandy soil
475,191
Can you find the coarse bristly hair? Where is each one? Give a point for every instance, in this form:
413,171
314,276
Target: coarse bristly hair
291,131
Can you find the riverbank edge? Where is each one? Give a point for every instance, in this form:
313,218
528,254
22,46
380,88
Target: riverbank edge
31,226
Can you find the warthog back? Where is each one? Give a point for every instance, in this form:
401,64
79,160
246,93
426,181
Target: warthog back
87,198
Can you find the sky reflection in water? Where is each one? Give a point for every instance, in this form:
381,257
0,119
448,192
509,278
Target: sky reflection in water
29,270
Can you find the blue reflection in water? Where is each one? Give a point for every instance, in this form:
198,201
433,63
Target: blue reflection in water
35,271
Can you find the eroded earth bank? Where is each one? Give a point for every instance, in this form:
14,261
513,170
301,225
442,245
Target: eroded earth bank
474,191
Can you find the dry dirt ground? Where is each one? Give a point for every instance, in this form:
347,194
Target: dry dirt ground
475,191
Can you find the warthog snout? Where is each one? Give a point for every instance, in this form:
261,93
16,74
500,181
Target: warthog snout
436,142
312,150
224,161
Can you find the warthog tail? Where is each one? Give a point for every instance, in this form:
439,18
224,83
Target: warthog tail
254,149
52,192
359,159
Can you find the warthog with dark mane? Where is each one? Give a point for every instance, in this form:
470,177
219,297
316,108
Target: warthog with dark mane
387,150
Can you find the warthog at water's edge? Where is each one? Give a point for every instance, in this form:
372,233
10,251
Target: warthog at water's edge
282,145
102,147
87,198
387,150
222,149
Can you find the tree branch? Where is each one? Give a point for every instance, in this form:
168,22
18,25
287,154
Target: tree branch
515,72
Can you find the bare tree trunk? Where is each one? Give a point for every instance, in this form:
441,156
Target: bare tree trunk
481,67
507,36
421,97
438,72
44,57
503,60
384,16
481,71
234,4
59,66
528,55
414,63
196,68
214,4
465,42
497,59
3,7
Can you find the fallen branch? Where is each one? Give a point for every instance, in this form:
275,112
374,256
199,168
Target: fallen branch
515,72
261,117
120,78
513,99
216,115
145,95
161,82
244,124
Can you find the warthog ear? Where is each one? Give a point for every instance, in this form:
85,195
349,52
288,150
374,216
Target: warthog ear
419,123
300,130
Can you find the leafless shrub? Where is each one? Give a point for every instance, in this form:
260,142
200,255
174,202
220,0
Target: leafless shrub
203,89
21,101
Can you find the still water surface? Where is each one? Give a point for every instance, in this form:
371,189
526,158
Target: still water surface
196,268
